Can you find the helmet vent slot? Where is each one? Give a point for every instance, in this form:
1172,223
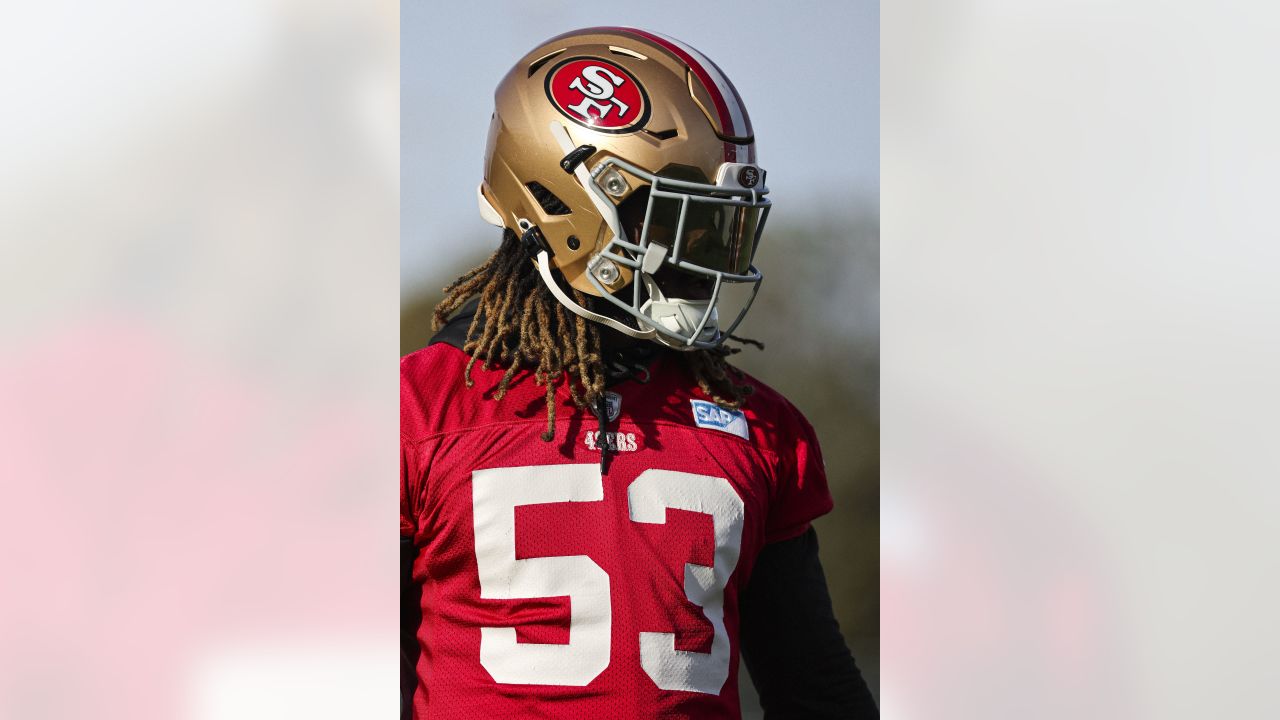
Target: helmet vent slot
626,52
662,134
551,204
536,64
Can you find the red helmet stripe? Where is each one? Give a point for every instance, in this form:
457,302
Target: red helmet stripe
729,106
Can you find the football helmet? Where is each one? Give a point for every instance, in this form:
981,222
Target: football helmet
626,160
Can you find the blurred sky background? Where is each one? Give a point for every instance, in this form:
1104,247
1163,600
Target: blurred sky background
198,210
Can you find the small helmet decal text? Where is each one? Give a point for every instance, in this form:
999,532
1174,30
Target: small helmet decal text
749,177
598,94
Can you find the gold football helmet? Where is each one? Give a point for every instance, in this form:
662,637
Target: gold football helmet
618,153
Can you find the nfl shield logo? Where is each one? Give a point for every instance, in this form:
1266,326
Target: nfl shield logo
613,405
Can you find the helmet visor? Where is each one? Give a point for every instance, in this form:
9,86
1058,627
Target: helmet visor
713,233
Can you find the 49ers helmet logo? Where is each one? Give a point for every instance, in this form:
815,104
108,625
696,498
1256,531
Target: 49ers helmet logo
598,94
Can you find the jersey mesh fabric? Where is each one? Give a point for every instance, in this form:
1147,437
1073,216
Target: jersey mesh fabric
448,432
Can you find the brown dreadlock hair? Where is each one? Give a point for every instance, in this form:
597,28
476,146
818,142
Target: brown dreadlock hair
519,324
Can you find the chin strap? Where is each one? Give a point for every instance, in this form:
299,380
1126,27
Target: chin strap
544,269
579,171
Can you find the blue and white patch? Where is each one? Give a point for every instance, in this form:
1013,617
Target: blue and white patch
710,415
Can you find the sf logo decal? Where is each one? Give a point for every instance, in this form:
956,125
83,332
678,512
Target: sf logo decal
598,94
600,84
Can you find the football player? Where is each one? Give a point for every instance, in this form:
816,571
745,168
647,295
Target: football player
599,512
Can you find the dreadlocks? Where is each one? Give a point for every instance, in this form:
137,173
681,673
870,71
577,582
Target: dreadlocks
519,324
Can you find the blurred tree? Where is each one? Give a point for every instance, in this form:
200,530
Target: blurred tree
416,308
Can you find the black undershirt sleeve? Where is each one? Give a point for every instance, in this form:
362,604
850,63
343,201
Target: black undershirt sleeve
410,618
792,643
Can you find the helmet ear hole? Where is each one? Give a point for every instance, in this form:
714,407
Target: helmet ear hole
547,200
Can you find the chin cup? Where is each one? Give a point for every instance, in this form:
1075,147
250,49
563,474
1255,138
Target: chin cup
680,316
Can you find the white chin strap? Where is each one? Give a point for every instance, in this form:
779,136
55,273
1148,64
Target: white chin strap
544,269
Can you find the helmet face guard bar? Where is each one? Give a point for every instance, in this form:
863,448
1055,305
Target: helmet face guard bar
750,210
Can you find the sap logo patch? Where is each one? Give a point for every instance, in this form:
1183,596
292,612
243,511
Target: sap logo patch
710,415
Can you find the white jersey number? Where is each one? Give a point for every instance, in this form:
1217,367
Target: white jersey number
495,495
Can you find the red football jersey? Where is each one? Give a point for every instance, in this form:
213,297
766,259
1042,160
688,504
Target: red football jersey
550,590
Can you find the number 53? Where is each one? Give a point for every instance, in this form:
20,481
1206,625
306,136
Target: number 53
495,495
